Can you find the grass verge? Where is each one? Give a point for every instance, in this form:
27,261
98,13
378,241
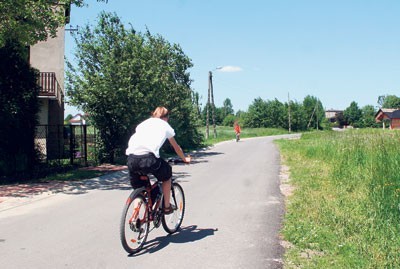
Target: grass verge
344,212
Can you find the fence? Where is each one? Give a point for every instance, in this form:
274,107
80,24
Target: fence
66,144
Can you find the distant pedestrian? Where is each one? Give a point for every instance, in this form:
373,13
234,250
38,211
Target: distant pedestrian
237,129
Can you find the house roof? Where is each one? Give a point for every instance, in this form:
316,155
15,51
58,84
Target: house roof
387,113
78,119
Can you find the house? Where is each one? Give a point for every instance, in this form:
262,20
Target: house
388,115
332,114
48,57
78,119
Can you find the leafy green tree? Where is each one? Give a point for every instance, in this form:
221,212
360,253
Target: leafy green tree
389,101
227,108
229,120
122,75
298,117
219,115
276,115
256,114
368,117
19,107
239,113
353,114
67,118
314,110
30,21
339,119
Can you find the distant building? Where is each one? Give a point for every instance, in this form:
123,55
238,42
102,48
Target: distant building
390,116
78,119
332,114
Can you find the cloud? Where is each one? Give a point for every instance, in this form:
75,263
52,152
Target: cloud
229,68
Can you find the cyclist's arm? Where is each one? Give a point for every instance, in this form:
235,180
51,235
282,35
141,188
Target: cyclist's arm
178,150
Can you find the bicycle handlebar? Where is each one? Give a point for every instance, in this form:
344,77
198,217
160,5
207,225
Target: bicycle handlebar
176,160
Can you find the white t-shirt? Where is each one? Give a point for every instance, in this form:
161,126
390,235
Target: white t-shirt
150,135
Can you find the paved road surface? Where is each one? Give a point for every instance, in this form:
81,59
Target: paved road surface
234,212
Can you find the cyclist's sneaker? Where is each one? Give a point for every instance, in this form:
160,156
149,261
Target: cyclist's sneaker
168,210
135,226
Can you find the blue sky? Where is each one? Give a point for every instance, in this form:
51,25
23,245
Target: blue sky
338,51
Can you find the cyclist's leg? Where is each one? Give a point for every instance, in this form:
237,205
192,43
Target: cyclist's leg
172,222
166,188
164,173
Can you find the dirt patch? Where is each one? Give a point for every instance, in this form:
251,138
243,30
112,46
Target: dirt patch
286,188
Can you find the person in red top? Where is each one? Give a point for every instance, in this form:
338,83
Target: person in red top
237,130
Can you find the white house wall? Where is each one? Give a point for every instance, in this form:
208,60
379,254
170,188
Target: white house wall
48,56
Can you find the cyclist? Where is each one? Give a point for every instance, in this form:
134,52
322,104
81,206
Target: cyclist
237,129
144,156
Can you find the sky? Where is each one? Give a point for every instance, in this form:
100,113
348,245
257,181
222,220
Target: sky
339,51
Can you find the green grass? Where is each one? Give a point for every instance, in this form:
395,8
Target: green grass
344,212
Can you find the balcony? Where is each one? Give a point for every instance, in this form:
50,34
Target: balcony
51,89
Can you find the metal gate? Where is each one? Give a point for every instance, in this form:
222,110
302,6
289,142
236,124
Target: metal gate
63,144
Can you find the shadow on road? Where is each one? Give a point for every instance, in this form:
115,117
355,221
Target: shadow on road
113,181
201,156
185,235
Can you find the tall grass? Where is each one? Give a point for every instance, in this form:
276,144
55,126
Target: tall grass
345,210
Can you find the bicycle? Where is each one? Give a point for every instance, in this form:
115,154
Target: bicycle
237,137
145,206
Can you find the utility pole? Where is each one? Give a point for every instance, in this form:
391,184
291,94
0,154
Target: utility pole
212,102
316,115
290,129
208,108
312,115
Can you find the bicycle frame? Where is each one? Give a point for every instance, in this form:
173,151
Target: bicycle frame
150,211
141,210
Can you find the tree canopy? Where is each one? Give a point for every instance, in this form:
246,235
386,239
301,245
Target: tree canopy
353,114
389,101
30,21
122,75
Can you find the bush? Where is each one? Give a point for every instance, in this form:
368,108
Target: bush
19,106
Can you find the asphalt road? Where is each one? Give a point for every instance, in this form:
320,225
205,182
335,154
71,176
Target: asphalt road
234,211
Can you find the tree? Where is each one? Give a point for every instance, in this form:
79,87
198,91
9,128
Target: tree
298,117
353,114
368,117
229,120
314,110
122,75
19,107
256,114
30,21
227,108
67,119
389,101
275,114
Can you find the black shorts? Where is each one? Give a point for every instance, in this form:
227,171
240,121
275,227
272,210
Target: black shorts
147,164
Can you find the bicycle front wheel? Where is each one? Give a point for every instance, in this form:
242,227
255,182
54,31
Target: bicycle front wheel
172,222
134,225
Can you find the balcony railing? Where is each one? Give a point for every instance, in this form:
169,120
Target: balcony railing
50,86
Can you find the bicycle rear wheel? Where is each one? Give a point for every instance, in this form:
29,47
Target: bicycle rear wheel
134,225
172,222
